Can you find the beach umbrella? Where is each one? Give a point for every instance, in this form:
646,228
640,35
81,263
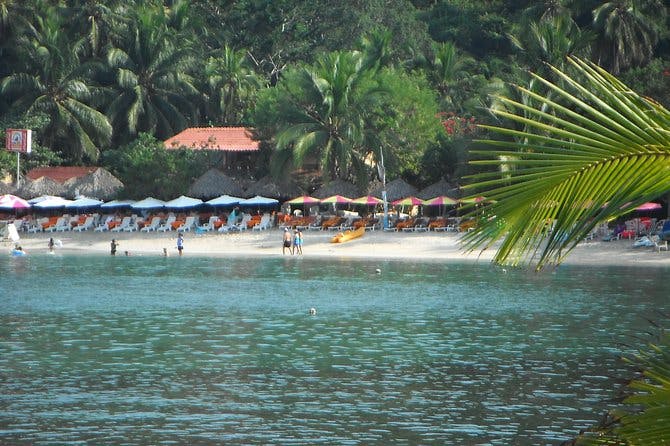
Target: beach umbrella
52,203
183,202
649,206
336,199
305,200
117,204
12,202
258,201
408,201
441,200
367,200
40,198
472,200
224,200
148,203
84,202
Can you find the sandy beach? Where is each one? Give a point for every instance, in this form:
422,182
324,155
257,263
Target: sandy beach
373,245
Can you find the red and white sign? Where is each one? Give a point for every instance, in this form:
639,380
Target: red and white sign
19,140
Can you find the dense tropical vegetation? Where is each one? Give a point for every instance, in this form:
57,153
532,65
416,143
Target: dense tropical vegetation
328,87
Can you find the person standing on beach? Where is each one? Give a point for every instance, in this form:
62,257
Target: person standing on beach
113,246
51,245
180,243
297,241
286,242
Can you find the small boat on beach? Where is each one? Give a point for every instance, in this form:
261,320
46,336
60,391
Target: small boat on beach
348,235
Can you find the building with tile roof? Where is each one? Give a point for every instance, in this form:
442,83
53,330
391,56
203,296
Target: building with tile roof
227,139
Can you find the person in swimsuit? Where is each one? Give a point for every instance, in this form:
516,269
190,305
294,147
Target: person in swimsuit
297,241
286,242
180,243
113,247
51,245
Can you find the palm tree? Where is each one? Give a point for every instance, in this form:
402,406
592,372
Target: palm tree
56,83
593,153
233,85
155,92
450,74
324,116
630,30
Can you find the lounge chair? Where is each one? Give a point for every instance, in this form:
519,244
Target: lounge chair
124,224
88,224
264,223
209,226
188,224
242,226
60,223
153,225
104,226
167,226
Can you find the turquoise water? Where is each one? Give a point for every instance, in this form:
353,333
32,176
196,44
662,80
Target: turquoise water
140,350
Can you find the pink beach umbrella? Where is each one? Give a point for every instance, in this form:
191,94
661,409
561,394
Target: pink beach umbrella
409,201
304,200
336,199
649,206
441,200
367,200
13,202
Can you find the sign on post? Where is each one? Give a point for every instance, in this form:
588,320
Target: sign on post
19,140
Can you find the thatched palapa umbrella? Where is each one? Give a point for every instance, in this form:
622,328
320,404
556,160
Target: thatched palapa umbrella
338,187
6,188
40,186
395,190
99,184
215,183
437,189
266,187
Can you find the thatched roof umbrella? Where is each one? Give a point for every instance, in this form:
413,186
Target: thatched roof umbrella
214,183
98,184
437,189
40,186
6,188
266,187
338,187
395,190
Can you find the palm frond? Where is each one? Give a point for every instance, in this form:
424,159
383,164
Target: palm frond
592,153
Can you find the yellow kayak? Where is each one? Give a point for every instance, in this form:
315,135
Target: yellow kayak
348,235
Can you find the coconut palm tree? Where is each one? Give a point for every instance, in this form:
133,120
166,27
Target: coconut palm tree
155,92
594,152
53,81
233,84
630,30
324,108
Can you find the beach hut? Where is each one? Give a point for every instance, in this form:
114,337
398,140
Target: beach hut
266,187
40,186
215,183
337,187
439,188
395,190
99,184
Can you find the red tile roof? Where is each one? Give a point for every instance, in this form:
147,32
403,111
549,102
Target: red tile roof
60,174
232,139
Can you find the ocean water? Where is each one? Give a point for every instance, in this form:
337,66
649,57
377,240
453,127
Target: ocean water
144,350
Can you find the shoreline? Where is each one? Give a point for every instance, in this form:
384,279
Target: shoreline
373,245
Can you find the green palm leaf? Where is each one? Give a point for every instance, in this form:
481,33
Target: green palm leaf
592,153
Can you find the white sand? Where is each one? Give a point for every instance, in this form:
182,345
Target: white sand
374,245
